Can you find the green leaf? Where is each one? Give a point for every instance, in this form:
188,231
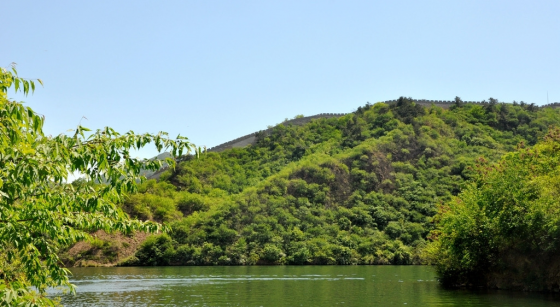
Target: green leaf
40,212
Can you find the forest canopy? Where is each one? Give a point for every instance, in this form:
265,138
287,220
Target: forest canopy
363,188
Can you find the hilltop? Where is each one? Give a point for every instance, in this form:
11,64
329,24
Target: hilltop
250,138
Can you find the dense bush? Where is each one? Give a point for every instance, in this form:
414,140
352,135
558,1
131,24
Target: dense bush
156,250
503,229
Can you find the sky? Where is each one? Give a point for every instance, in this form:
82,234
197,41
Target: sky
217,70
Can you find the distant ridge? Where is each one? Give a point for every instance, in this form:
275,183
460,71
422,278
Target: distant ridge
447,103
251,138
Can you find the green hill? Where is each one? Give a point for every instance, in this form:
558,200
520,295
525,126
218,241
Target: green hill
358,189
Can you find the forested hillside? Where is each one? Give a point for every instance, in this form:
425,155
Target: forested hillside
359,189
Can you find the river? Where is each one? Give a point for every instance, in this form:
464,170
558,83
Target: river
281,286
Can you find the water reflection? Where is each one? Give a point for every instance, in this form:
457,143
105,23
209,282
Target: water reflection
280,286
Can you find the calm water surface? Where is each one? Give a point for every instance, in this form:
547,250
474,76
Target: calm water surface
280,286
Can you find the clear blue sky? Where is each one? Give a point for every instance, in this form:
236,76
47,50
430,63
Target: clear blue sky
217,70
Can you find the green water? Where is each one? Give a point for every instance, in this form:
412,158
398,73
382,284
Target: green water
281,286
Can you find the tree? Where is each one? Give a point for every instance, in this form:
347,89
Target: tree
40,213
502,230
406,109
458,102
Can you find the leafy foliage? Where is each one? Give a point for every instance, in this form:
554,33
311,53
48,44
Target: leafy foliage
39,212
503,229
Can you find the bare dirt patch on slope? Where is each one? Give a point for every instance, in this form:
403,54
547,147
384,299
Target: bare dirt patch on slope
104,250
